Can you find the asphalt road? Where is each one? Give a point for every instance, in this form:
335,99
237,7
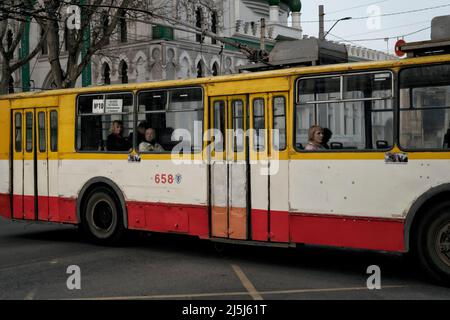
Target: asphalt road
34,259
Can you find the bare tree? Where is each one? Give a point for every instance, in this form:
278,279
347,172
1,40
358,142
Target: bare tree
98,23
14,17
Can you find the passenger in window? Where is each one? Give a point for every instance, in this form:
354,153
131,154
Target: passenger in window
140,133
116,141
315,139
447,139
327,134
150,144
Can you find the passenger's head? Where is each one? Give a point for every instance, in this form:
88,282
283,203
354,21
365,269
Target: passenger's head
326,135
142,126
150,134
117,127
315,135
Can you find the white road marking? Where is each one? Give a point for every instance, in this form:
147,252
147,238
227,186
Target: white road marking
238,293
30,295
246,283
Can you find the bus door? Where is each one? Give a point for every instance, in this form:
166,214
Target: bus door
229,175
30,164
259,179
268,171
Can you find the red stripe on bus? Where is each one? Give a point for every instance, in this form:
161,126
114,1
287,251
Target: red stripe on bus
166,217
361,233
53,209
340,231
5,206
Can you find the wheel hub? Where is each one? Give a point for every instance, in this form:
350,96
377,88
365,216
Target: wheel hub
443,243
102,216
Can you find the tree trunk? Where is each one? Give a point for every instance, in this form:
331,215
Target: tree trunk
4,82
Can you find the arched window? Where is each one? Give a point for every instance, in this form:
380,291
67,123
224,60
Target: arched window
44,49
199,70
9,39
215,69
106,73
214,26
11,85
105,25
123,26
198,24
66,38
124,71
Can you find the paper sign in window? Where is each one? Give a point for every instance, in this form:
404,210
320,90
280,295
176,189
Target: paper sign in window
113,106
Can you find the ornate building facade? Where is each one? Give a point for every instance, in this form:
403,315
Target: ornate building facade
154,50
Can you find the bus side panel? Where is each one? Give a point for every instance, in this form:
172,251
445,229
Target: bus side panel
350,203
5,206
347,232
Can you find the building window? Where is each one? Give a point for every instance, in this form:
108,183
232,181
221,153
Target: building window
66,38
123,26
215,69
44,49
124,71
105,26
9,39
11,85
106,73
199,70
214,26
198,24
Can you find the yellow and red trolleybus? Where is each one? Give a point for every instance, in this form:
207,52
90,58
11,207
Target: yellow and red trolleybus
232,164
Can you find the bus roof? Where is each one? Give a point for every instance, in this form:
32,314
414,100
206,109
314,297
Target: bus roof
236,77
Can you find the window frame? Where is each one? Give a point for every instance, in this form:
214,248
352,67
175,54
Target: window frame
20,145
167,89
400,110
256,131
285,121
53,138
42,148
104,93
393,98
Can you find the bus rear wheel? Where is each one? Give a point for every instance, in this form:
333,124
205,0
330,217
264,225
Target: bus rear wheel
433,243
103,217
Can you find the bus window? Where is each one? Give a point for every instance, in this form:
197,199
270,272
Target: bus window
425,107
356,109
18,125
42,133
258,125
29,132
175,109
96,115
219,124
54,130
238,125
279,123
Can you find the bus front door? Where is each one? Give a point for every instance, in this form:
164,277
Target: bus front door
30,164
229,188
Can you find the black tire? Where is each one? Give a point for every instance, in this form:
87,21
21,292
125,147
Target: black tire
433,243
102,217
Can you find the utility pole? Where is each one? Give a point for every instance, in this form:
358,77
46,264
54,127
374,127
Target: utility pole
321,23
263,34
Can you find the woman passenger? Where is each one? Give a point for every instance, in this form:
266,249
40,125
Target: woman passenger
315,139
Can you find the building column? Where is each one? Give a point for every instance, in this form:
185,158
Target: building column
296,20
274,13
